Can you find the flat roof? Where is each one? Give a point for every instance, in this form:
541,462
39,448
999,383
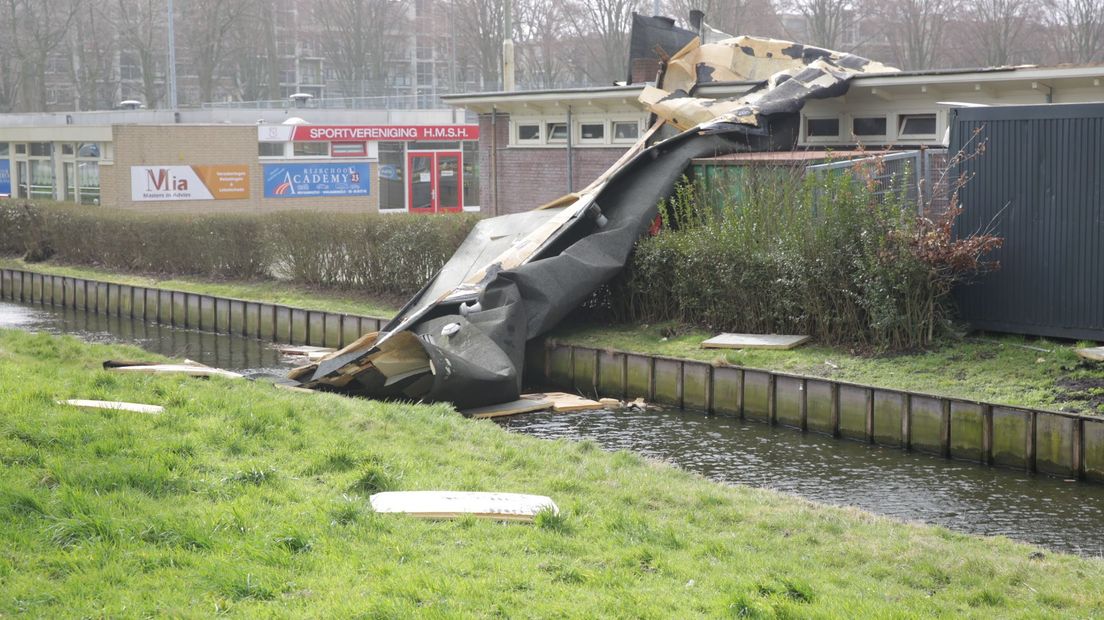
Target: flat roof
782,157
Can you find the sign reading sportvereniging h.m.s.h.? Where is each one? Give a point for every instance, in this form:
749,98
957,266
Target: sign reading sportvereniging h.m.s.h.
313,180
365,133
216,182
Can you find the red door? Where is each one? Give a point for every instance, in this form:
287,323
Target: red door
435,182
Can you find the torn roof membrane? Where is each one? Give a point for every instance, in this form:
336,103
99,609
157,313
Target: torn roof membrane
791,73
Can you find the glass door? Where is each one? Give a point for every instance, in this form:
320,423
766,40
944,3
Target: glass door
435,182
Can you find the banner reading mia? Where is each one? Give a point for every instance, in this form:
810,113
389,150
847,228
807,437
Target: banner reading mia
313,180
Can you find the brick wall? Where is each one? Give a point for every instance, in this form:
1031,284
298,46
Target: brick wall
531,176
179,145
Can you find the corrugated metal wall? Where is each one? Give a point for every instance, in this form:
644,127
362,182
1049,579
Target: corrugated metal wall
1040,185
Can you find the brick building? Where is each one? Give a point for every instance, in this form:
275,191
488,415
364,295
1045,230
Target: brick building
353,161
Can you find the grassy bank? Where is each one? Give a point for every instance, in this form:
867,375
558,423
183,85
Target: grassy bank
271,291
246,500
996,368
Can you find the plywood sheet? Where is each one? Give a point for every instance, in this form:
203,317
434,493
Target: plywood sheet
563,402
113,405
1095,354
753,341
522,405
451,504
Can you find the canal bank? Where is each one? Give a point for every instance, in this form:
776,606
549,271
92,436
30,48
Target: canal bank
252,501
1039,510
995,434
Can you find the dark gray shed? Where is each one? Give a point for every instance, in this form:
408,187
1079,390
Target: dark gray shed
1040,185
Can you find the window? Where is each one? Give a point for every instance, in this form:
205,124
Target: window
20,149
869,126
311,149
3,149
471,174
392,189
66,149
528,132
42,149
349,149
557,132
270,149
42,178
822,127
592,132
88,150
88,175
916,124
626,131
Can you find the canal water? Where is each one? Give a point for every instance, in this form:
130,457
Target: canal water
965,497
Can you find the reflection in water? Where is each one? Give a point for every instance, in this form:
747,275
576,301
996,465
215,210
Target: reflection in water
246,355
961,496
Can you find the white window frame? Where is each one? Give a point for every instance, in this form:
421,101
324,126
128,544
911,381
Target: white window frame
547,131
882,137
516,134
805,137
613,131
579,139
900,122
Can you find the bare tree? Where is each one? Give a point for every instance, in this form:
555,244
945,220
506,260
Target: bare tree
483,23
1077,29
207,34
37,30
826,23
601,29
141,33
91,51
916,30
725,15
256,59
538,31
358,37
996,28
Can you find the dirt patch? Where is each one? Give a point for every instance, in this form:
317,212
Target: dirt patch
1087,390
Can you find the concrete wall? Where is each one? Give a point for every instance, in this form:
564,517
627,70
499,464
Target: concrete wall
528,177
221,315
168,145
1050,442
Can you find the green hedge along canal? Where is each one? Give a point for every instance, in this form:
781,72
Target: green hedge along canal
961,496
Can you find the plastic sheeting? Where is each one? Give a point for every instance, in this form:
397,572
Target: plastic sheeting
463,336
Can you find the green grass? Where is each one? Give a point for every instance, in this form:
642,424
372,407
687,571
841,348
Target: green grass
993,368
247,501
271,291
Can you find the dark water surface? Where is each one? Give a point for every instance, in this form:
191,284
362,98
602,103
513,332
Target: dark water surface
962,496
237,353
966,497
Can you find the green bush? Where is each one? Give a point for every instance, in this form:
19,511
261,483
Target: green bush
818,255
391,255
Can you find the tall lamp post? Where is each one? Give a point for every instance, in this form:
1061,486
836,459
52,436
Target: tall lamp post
172,60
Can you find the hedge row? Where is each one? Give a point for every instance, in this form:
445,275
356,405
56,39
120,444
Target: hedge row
823,256
388,255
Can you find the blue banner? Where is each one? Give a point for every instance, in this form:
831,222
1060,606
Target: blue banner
318,179
5,177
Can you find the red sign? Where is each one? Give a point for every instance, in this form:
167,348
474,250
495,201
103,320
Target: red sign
398,133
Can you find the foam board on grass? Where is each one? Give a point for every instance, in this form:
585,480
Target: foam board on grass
452,504
753,341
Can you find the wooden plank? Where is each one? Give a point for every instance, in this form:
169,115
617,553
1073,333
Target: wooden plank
522,405
563,402
753,341
112,405
181,369
451,504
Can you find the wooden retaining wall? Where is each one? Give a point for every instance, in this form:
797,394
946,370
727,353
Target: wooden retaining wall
220,315
1051,442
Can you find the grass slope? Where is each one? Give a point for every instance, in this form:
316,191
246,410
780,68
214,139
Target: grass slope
247,501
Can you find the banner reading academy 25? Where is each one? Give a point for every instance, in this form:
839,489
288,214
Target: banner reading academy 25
313,180
220,182
5,177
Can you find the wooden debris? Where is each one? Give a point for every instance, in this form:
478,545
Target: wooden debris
313,354
191,370
610,402
112,405
452,504
563,402
753,341
1094,354
522,405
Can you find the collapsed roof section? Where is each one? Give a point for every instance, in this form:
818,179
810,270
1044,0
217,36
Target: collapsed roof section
462,338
